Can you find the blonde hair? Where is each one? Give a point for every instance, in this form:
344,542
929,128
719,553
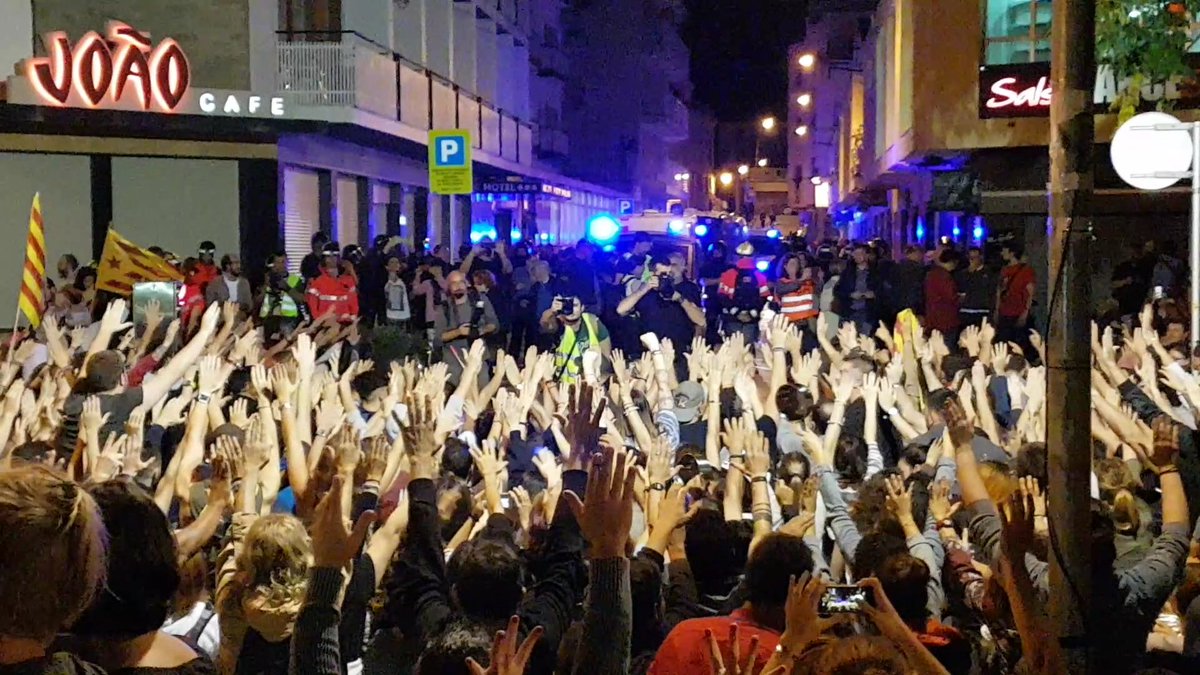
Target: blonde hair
274,560
1000,484
856,654
53,550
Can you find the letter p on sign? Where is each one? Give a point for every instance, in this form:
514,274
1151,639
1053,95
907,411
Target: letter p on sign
450,151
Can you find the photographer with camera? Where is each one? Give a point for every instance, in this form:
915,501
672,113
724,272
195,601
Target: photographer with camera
578,332
668,302
465,317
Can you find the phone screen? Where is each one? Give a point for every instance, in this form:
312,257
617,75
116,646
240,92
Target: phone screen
844,599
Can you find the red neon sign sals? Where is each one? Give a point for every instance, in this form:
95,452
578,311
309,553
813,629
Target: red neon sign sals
103,71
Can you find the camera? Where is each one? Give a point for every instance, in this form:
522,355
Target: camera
568,306
666,286
845,599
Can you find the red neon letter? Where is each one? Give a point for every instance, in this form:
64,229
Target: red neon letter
130,62
93,68
51,75
169,69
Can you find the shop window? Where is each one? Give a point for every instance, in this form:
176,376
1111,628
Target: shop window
1016,31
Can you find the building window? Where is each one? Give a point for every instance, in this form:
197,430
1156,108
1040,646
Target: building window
1016,31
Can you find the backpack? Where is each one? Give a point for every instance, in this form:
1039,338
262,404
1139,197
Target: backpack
747,295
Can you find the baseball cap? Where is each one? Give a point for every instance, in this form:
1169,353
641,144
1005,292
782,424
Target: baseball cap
689,398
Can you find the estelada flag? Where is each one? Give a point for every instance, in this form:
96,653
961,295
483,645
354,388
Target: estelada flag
32,301
123,264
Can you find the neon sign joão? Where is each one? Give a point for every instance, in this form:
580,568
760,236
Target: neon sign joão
124,69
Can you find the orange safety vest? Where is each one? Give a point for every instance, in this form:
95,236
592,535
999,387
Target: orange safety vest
800,304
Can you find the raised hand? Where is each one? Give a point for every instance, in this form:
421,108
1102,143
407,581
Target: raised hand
334,543
899,499
737,665
605,514
1017,525
91,420
1165,450
507,658
115,315
940,506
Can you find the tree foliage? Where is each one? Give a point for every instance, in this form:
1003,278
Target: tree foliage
1145,42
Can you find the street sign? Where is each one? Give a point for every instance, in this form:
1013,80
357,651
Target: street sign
1141,149
625,207
450,171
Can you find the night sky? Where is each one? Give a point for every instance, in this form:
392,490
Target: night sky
739,54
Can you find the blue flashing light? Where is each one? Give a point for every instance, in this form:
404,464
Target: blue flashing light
858,216
762,265
977,233
677,226
772,233
516,235
700,230
921,228
544,236
481,231
745,230
957,232
608,248
603,229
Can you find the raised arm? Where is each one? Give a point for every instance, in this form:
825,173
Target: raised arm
166,377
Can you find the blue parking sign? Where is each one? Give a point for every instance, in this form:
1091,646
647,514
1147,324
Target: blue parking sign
450,162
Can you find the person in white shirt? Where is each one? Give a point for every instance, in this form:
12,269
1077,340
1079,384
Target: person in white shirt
395,294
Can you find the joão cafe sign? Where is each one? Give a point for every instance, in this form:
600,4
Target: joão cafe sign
126,70
1025,90
123,70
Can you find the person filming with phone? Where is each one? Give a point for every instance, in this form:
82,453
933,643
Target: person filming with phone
465,317
668,303
578,333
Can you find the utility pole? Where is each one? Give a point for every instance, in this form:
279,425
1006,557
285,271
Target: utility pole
1068,395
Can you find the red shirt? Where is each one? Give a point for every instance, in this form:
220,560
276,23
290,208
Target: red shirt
686,652
1016,286
941,300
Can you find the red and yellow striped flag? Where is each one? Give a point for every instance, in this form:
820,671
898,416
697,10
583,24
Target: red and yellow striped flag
33,280
124,263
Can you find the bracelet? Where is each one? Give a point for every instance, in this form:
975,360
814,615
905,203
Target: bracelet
781,350
733,456
658,486
945,524
764,478
203,398
892,412
1168,469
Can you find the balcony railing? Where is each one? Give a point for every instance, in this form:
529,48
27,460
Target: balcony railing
347,70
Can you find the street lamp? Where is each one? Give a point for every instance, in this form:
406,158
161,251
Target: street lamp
804,100
726,178
808,60
802,130
743,169
817,180
768,123
762,162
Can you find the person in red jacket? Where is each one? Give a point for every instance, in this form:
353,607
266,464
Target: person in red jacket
941,296
333,292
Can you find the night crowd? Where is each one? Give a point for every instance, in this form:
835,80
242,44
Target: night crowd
597,463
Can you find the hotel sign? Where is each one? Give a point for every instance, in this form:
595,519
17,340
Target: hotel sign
125,70
1024,90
